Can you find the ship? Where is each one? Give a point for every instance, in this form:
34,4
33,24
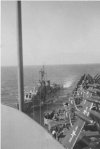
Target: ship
43,93
76,124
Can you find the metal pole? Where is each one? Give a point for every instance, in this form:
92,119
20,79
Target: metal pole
20,60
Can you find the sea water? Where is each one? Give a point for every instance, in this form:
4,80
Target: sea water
65,75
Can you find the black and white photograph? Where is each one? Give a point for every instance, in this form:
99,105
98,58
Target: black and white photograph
50,74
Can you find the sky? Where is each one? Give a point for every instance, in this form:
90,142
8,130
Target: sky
59,32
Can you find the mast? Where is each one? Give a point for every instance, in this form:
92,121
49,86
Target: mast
20,60
42,74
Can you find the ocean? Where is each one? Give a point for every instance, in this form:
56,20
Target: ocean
65,75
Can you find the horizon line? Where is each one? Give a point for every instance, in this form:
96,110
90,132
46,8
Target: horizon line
51,64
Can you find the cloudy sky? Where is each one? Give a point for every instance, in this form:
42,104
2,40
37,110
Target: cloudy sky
53,32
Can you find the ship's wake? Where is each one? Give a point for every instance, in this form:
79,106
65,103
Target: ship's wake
69,82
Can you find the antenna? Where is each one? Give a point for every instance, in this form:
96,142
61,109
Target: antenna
20,59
